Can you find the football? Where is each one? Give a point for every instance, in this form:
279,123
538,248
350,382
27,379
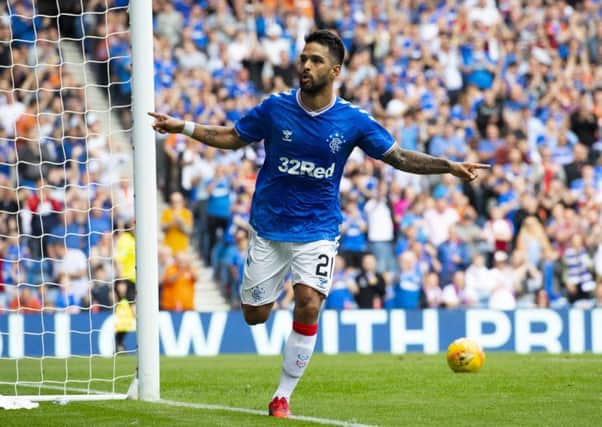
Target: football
465,355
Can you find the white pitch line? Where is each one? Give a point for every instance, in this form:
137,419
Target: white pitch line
316,420
324,421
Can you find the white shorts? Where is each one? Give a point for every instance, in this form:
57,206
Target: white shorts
269,261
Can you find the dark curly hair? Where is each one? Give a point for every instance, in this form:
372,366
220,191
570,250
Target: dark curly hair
327,38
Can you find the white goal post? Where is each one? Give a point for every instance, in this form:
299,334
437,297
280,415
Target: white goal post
77,192
143,98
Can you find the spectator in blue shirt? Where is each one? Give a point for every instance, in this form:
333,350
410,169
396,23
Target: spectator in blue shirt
218,206
340,296
410,132
408,288
489,145
234,261
479,66
448,144
353,233
100,222
453,255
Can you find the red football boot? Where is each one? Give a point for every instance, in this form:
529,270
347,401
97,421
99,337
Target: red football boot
279,407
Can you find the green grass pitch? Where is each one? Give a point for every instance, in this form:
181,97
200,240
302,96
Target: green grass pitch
387,390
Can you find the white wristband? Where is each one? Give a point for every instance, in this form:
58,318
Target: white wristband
188,129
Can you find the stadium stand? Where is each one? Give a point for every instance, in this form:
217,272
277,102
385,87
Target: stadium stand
516,84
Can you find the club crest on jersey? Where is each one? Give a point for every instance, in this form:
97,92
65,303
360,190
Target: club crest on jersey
287,135
335,140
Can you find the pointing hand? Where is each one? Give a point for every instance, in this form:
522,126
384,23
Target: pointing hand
166,124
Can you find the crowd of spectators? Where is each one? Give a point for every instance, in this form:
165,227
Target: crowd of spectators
510,83
67,226
66,210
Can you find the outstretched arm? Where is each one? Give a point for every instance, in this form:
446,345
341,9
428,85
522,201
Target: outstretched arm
216,136
424,164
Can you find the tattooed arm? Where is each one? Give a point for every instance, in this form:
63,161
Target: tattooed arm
216,136
424,164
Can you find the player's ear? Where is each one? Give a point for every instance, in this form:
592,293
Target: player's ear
336,70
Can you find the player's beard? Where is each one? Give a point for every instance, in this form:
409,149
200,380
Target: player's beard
313,86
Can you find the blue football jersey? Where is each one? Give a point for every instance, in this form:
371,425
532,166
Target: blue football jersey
297,192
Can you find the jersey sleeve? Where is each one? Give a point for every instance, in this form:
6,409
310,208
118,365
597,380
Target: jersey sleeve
374,139
252,126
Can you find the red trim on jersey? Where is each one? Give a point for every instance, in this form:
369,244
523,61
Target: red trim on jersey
303,329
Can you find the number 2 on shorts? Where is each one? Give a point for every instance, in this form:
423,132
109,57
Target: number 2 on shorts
325,266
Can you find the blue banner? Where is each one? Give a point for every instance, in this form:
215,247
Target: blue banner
360,331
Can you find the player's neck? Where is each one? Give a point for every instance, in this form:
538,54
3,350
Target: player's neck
316,102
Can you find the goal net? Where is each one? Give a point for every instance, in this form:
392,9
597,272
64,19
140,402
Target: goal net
67,262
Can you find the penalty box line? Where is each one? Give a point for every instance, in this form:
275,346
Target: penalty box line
324,421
